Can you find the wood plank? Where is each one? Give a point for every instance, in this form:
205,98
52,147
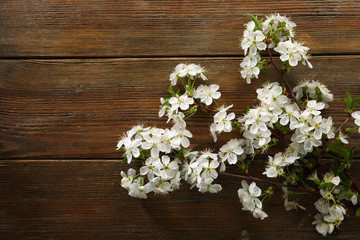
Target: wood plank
79,108
165,28
84,200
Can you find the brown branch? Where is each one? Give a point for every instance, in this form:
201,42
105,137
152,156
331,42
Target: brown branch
315,192
328,141
270,182
342,125
353,180
284,78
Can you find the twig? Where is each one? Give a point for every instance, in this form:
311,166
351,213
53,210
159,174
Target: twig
353,180
326,143
342,125
270,182
315,192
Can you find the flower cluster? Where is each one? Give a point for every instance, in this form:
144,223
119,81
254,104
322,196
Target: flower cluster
288,115
154,146
178,107
275,32
331,211
313,90
258,122
248,196
308,126
222,121
165,153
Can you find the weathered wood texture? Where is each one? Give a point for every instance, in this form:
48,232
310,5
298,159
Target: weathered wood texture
79,108
84,200
165,28
110,62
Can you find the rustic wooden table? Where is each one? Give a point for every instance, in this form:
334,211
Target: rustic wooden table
76,74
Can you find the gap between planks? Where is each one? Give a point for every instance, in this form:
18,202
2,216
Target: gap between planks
211,56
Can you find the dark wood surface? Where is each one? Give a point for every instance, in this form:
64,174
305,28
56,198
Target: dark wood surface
84,200
74,75
78,108
57,28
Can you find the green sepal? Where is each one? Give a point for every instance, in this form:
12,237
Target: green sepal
258,25
318,95
247,109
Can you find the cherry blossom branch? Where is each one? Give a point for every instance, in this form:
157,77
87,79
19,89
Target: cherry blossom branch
343,124
315,192
270,182
326,144
284,78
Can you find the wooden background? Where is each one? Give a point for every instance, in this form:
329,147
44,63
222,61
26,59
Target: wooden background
75,74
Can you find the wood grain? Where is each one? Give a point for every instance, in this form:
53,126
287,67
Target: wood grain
67,199
79,108
58,28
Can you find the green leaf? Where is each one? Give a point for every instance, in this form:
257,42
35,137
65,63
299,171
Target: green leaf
171,90
358,212
340,169
333,155
258,25
340,148
354,102
348,100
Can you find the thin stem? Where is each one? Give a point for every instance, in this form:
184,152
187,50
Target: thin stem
342,125
348,174
327,142
204,108
315,192
193,84
270,182
285,80
216,103
182,81
353,180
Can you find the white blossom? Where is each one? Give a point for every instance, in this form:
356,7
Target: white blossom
168,169
312,89
356,115
207,93
207,186
342,137
151,168
127,178
223,120
183,70
293,52
252,39
249,67
132,148
248,196
183,102
273,22
231,150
